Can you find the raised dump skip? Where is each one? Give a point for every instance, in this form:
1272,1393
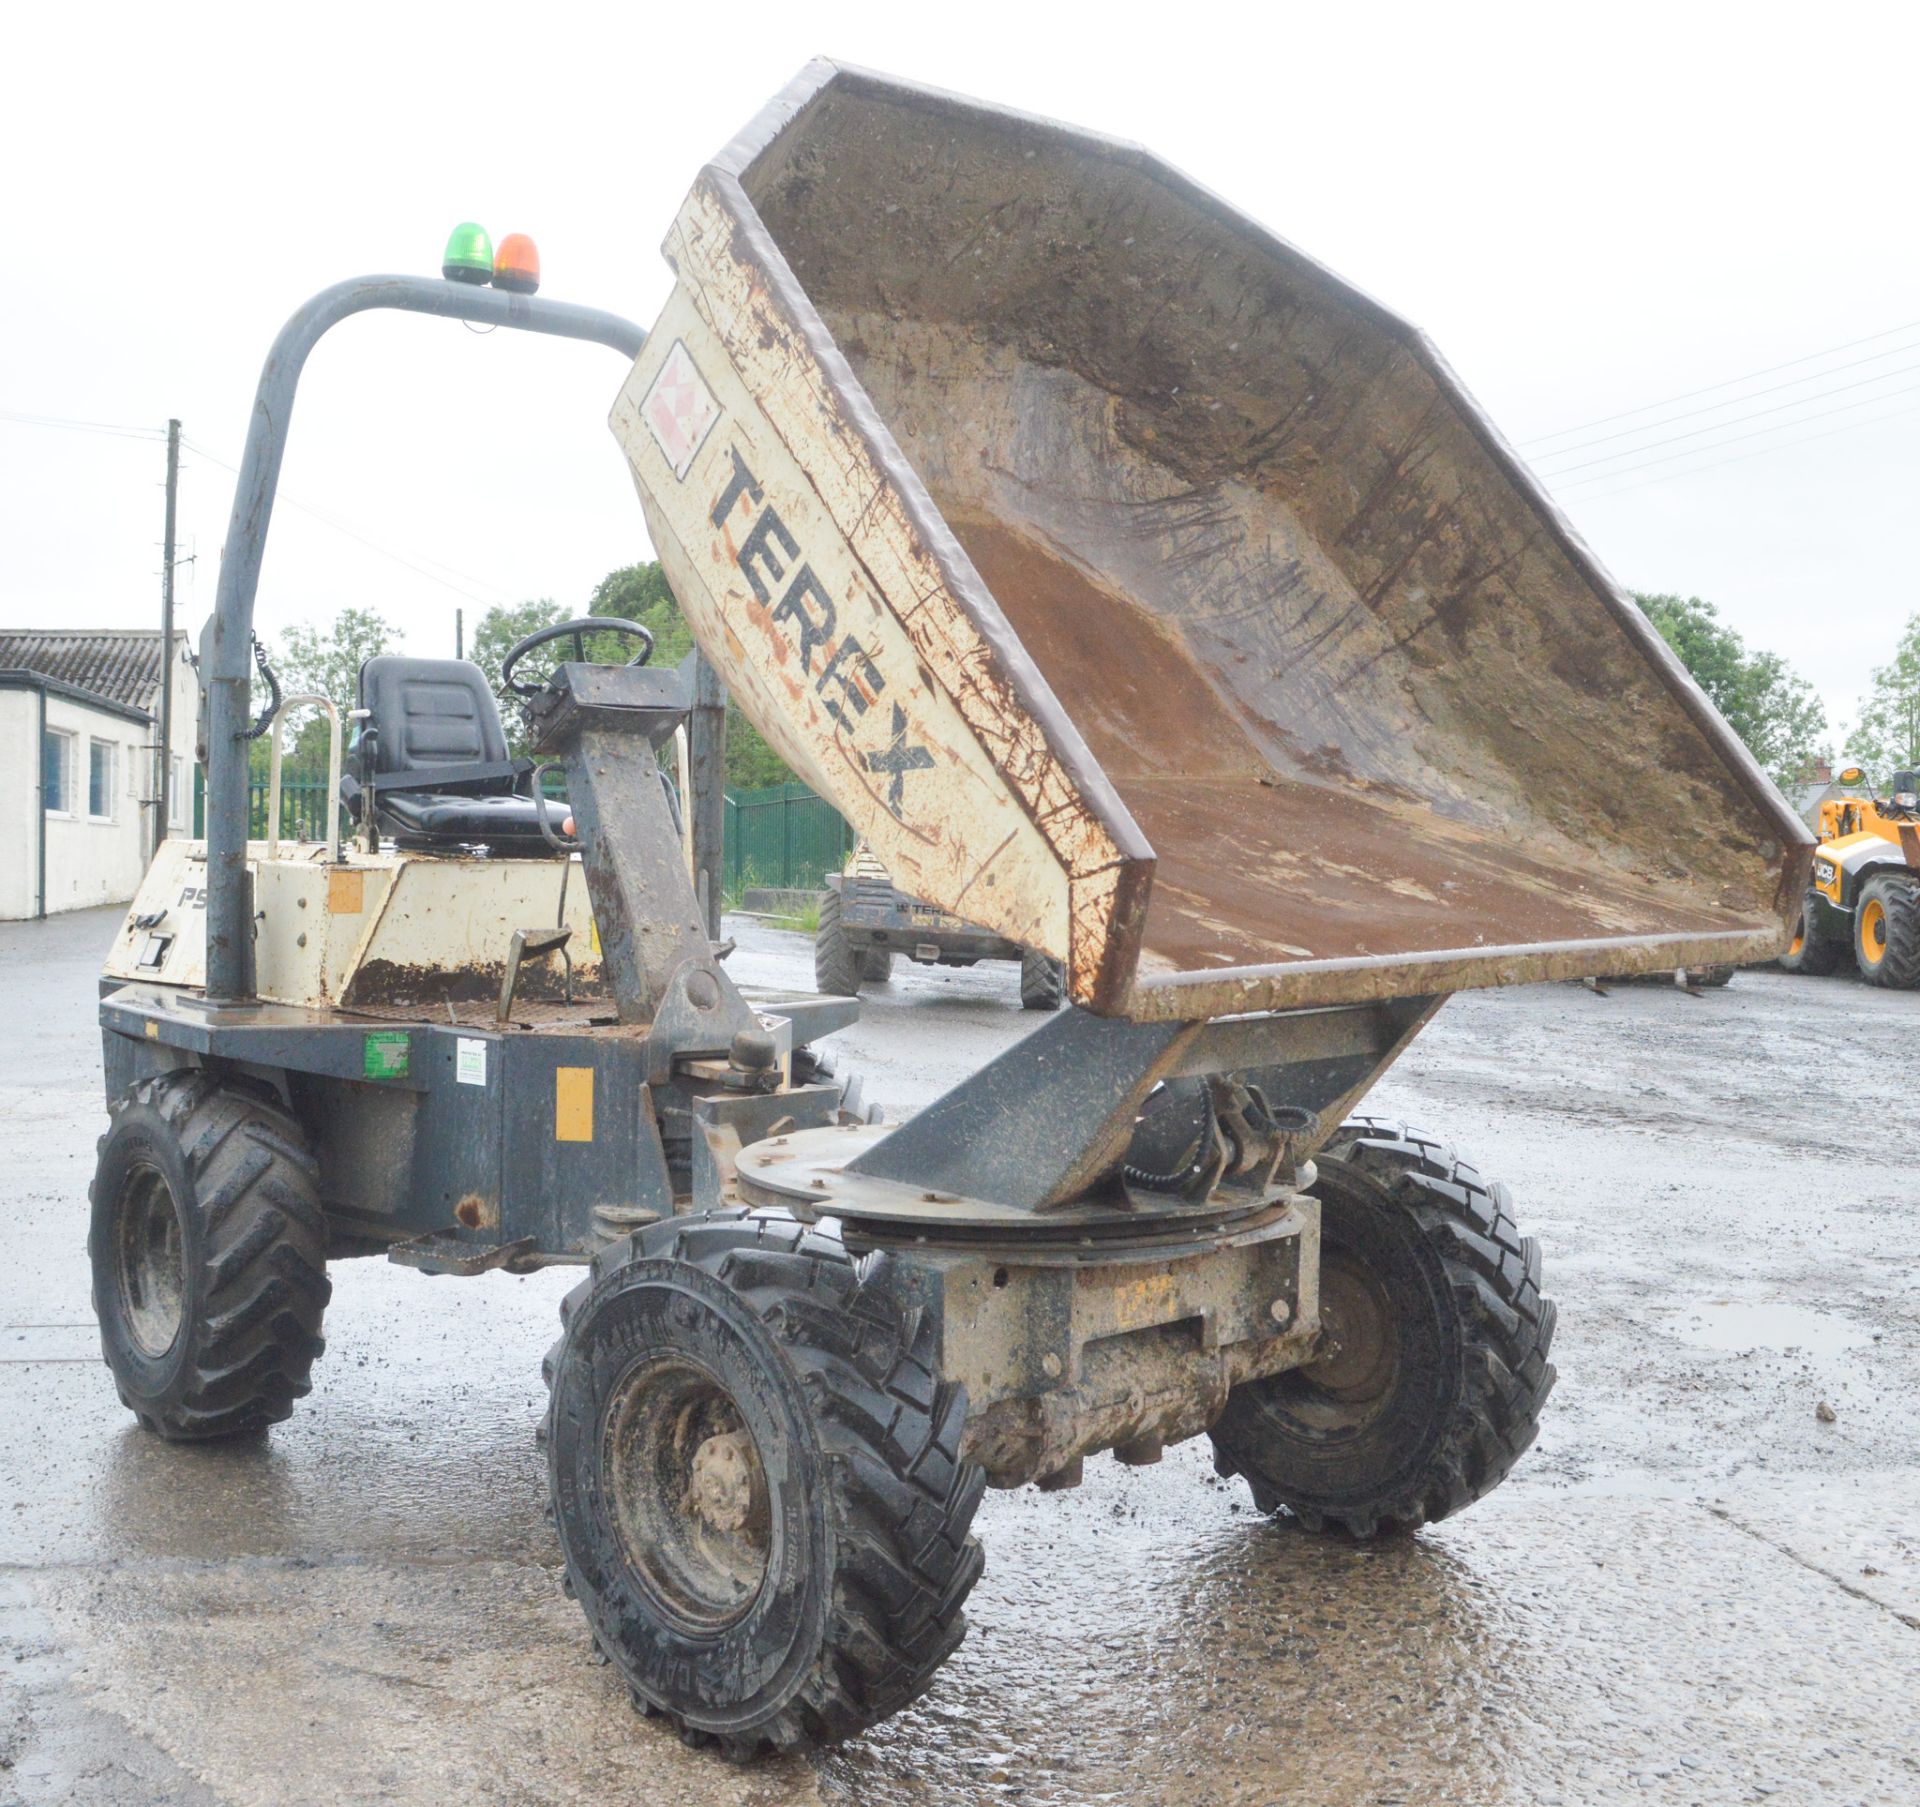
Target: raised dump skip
1139,589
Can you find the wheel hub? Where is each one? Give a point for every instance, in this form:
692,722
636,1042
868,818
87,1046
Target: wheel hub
151,1264
1359,1347
687,1492
1873,926
728,1489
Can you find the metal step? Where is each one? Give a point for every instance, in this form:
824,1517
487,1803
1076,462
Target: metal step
449,1252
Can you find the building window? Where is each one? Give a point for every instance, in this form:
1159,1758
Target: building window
100,779
178,802
56,772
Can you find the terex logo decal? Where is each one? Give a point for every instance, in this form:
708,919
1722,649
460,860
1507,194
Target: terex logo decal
845,679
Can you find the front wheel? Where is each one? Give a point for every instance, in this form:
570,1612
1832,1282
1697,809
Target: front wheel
1886,933
836,962
209,1250
757,1483
1434,1367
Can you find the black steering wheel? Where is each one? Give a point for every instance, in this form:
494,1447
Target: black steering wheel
577,630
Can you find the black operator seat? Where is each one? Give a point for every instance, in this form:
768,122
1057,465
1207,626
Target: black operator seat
433,762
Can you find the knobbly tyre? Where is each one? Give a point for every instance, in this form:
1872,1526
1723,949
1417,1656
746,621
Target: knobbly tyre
1137,590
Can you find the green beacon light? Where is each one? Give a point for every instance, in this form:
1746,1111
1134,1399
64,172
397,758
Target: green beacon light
469,254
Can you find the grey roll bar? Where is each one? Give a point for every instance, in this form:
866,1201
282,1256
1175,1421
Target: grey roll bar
225,672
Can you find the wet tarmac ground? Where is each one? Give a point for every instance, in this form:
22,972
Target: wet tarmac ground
1696,1588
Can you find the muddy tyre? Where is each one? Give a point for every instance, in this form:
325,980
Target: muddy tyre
1886,933
836,964
876,965
1438,1368
1808,952
1043,982
757,1483
208,1246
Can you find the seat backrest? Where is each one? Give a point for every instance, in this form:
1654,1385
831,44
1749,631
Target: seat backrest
430,712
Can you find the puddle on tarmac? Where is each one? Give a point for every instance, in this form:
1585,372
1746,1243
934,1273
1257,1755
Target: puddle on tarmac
1742,1324
1146,1640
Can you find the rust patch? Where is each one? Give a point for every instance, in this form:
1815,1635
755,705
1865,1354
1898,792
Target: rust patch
1257,866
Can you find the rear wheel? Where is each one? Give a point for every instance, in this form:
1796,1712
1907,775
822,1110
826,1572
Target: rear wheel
1435,1364
1043,982
876,965
1886,933
836,965
1808,952
757,1483
209,1248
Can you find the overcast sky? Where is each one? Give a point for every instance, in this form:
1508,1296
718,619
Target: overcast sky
1590,208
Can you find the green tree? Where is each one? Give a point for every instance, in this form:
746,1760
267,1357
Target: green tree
1887,737
495,635
1766,702
325,661
635,593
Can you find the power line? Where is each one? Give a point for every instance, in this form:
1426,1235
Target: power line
1848,426
1864,402
372,545
1740,400
1732,382
469,586
65,425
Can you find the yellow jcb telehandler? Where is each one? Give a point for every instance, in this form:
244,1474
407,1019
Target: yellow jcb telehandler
1865,895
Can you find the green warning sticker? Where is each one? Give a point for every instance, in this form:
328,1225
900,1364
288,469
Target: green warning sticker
385,1054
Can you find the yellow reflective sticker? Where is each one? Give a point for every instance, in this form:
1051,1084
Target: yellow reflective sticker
573,1104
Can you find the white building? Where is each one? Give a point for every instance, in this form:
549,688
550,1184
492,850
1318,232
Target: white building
79,764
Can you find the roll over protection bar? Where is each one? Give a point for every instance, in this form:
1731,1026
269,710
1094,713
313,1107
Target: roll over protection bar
225,670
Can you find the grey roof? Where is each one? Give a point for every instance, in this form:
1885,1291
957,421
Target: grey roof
11,679
121,665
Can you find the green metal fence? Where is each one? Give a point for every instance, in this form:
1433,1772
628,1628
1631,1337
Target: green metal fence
785,836
303,807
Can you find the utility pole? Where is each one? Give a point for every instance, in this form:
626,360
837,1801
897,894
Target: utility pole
166,638
459,634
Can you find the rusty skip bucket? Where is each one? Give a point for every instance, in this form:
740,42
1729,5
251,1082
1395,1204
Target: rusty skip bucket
1140,590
